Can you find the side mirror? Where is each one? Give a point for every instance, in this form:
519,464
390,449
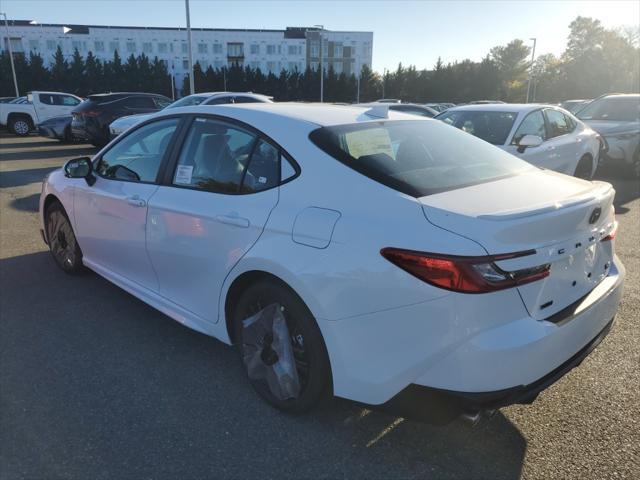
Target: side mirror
529,141
80,167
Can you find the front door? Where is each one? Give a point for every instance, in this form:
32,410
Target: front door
111,214
222,190
541,156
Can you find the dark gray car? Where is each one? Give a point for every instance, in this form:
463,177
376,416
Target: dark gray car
617,119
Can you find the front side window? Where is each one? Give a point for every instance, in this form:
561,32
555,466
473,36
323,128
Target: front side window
559,124
46,98
214,156
417,157
533,124
492,127
138,156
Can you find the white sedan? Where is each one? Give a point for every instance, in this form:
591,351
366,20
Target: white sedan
544,135
369,254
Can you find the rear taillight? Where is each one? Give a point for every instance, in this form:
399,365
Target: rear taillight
612,233
464,274
91,113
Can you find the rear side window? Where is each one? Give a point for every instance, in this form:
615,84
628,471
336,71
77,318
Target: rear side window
138,156
492,127
224,158
417,157
533,124
47,98
244,99
214,156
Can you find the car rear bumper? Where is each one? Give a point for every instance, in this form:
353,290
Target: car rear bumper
472,345
442,406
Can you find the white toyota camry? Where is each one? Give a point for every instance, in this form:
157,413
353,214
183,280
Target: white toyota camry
373,255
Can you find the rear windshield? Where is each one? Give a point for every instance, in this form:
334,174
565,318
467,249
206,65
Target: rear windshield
417,157
621,109
492,127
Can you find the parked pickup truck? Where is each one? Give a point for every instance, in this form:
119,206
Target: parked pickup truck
23,118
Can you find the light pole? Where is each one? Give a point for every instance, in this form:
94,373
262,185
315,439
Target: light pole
192,89
533,56
321,65
358,84
13,67
384,80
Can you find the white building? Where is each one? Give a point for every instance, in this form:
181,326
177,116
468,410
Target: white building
269,50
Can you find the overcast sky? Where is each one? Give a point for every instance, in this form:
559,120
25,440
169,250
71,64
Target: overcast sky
411,32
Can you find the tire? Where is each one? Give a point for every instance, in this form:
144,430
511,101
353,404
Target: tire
312,360
62,241
99,143
66,136
584,169
20,126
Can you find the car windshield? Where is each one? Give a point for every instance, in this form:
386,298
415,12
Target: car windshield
621,109
417,157
492,127
188,101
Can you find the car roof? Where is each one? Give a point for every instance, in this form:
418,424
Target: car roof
141,94
319,114
500,107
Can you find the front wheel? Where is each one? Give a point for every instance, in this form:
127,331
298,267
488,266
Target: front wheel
308,348
62,241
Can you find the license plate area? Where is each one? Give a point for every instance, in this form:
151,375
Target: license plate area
577,267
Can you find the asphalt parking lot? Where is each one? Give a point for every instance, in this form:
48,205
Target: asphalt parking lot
94,384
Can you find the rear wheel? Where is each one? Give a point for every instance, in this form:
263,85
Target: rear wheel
62,241
585,168
20,126
309,351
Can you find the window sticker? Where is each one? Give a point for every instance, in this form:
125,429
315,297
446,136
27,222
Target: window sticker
369,142
184,174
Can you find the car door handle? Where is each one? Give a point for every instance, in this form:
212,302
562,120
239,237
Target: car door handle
233,220
136,201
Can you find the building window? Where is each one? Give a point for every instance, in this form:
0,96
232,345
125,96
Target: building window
279,49
204,64
162,48
185,64
292,49
79,45
293,66
217,48
98,45
202,48
271,49
337,67
255,49
255,65
314,65
325,49
271,66
34,44
314,49
185,47
131,47
337,50
51,44
147,47
235,49
113,46
217,64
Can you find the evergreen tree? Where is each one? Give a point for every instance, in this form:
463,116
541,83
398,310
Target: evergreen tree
60,78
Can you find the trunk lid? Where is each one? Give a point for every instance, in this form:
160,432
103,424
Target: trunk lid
562,218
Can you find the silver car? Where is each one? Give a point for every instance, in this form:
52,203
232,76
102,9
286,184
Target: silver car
617,119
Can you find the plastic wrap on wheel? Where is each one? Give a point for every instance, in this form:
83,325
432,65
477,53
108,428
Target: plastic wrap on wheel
267,352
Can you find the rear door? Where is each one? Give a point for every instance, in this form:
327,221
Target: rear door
210,211
111,214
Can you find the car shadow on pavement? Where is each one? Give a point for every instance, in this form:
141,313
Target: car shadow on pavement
18,178
96,384
4,143
25,204
627,188
68,151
